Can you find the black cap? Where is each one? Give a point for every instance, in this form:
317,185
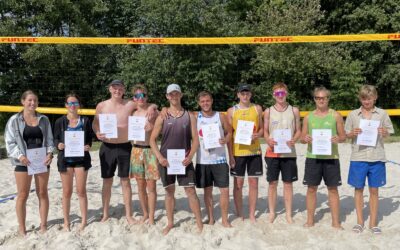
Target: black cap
117,82
244,87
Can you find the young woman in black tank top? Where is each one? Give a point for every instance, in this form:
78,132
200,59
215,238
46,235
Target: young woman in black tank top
28,130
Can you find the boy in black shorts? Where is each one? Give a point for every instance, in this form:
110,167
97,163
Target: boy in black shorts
178,133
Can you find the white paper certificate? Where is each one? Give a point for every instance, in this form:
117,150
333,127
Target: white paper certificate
369,132
175,158
244,131
321,142
211,135
74,143
37,157
282,136
108,125
136,130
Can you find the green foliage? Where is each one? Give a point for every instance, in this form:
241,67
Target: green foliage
55,70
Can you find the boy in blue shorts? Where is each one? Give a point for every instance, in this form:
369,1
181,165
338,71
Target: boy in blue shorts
367,161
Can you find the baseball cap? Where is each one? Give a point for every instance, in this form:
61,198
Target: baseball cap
173,87
116,82
244,87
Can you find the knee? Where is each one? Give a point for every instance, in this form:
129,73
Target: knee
373,192
312,190
253,183
190,192
333,190
67,193
42,194
273,185
23,196
81,192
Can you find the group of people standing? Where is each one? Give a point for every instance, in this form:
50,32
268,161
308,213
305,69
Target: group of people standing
180,129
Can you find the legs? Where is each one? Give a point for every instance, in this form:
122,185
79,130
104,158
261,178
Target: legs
41,181
23,181
224,203
127,194
311,202
238,196
208,201
334,205
373,206
143,198
67,183
288,196
106,196
253,195
147,198
194,204
81,178
272,193
359,204
169,207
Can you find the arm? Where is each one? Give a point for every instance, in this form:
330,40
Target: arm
230,142
96,126
153,142
13,150
58,141
297,130
259,133
50,141
350,130
152,111
88,134
195,140
227,129
305,137
268,139
387,127
341,134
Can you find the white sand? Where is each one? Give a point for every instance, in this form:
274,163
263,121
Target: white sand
116,234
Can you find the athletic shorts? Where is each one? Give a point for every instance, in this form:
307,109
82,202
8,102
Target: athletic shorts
20,168
208,175
143,163
360,170
328,169
252,164
186,180
286,166
112,155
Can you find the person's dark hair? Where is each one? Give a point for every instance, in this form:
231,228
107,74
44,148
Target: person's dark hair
73,95
28,92
204,93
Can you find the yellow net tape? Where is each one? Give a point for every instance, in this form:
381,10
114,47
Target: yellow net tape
202,40
47,110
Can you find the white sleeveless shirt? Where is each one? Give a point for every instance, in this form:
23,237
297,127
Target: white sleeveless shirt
214,155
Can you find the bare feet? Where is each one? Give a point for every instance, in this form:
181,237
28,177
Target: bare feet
151,221
143,219
289,219
43,229
131,220
226,224
200,227
104,218
252,219
210,221
167,229
337,226
308,225
271,217
66,227
82,226
22,232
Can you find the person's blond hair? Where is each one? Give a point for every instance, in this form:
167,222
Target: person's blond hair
367,91
280,85
139,86
321,89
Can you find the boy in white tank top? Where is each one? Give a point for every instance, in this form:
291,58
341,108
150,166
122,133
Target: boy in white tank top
211,164
281,116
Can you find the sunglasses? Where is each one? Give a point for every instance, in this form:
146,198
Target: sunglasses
321,98
70,104
139,96
280,93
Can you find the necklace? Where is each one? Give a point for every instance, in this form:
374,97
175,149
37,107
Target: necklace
175,114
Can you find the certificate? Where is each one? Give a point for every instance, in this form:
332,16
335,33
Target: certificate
282,136
108,125
175,158
136,130
369,133
74,143
211,135
321,142
37,158
244,131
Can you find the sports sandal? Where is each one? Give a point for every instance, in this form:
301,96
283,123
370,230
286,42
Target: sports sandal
375,230
358,229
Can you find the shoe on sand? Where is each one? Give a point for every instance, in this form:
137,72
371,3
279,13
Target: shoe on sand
358,229
375,230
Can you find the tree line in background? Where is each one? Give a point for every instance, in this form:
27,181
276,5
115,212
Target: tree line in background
55,70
